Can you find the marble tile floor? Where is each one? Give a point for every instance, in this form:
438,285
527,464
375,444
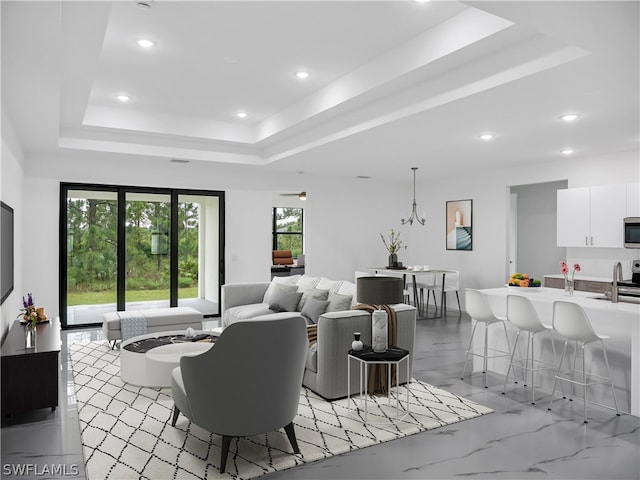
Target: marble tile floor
517,441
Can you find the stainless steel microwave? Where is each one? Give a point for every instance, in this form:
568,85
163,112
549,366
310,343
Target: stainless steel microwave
632,232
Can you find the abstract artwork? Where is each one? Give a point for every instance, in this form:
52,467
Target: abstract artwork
459,225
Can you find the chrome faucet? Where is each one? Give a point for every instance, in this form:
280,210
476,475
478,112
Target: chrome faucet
617,277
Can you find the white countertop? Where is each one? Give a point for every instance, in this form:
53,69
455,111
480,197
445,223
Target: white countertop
586,299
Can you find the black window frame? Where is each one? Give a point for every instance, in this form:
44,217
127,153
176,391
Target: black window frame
121,191
276,234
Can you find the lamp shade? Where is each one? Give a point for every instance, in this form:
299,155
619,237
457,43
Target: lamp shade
380,290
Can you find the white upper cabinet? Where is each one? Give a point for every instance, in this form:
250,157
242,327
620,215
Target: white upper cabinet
573,218
592,216
633,200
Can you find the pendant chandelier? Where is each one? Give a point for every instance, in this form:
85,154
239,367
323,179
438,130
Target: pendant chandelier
414,212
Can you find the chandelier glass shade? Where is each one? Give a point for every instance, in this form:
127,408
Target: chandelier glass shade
414,210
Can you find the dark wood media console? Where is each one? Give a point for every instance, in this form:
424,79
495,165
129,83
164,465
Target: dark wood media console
30,376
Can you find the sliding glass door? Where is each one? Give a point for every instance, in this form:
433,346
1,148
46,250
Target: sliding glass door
147,250
127,248
91,241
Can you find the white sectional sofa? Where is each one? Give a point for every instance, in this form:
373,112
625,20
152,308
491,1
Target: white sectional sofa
326,369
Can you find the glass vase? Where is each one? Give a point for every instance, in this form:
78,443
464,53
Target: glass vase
568,287
30,335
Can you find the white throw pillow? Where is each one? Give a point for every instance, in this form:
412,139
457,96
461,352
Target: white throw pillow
307,282
291,280
348,288
331,285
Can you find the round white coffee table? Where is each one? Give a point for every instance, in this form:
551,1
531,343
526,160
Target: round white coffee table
147,360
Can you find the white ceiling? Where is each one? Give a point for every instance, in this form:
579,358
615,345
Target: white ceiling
393,84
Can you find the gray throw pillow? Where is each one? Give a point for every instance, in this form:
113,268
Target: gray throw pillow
313,308
312,292
283,301
339,303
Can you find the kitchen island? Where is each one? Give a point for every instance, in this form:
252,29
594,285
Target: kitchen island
620,321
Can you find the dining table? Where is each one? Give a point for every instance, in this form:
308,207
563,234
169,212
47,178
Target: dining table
416,273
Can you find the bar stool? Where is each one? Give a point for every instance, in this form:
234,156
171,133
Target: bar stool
571,322
480,311
522,314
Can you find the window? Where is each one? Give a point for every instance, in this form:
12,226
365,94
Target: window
128,248
287,230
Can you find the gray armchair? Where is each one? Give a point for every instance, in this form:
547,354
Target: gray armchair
248,383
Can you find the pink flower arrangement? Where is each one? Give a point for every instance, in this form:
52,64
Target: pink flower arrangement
564,268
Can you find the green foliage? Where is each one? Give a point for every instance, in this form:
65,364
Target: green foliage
92,246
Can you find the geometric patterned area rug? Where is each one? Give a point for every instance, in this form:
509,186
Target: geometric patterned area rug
127,434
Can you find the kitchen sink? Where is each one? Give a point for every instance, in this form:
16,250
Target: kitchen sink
621,299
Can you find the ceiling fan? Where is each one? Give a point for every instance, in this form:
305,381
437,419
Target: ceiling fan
301,195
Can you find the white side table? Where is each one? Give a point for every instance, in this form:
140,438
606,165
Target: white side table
365,358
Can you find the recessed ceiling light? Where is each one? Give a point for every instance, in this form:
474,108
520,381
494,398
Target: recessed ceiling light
567,151
569,117
421,1
146,43
179,160
487,136
124,98
302,75
241,114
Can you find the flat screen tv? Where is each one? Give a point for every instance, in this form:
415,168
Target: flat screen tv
6,251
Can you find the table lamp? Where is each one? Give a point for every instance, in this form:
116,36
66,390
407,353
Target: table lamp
379,291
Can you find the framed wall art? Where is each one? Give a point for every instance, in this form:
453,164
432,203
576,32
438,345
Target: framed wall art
459,225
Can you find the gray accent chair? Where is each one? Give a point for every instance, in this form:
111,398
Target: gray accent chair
247,384
327,362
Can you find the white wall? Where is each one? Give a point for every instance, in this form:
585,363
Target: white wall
487,265
344,217
11,181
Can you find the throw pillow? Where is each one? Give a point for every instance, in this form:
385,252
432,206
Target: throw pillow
283,301
331,285
339,303
313,308
312,292
291,280
307,281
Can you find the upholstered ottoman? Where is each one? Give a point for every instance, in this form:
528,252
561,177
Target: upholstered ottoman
154,320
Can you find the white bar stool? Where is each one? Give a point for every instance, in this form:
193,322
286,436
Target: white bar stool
571,322
522,314
480,311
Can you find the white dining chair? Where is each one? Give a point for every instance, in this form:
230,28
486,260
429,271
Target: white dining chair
424,281
479,310
522,314
571,322
451,284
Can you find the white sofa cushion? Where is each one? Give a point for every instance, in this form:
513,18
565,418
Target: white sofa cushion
246,312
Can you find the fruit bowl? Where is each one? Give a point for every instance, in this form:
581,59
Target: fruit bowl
523,280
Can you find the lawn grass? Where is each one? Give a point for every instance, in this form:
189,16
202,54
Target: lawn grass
98,298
